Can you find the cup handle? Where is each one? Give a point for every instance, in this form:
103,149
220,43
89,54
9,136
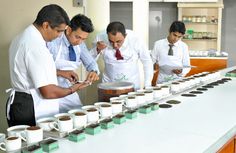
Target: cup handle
3,146
22,135
54,125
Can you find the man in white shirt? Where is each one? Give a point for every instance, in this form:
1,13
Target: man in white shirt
171,55
69,52
121,50
33,72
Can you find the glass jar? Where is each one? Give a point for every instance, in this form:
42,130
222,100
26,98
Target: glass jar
204,19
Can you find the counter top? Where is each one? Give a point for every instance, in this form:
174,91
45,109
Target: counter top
201,57
201,124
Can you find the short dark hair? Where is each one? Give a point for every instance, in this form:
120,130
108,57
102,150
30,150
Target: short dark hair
53,14
115,27
83,22
177,26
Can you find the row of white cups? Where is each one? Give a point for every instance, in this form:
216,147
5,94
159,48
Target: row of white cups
80,118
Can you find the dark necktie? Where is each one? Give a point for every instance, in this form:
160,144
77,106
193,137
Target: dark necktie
170,52
118,55
72,55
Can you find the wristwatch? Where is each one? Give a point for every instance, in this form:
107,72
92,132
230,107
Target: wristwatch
94,71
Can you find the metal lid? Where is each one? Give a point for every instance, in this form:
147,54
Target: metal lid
116,85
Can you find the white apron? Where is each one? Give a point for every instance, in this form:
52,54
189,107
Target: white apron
121,70
42,107
71,101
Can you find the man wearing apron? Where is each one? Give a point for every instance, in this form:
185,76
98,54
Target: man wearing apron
63,49
171,52
121,51
33,72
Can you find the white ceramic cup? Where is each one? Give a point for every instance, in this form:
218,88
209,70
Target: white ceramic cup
33,134
63,123
116,107
46,123
16,130
79,118
2,137
131,102
141,100
10,144
92,113
105,109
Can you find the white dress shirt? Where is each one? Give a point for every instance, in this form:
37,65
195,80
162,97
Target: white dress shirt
180,58
131,50
31,64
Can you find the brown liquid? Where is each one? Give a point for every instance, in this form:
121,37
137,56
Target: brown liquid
49,121
140,94
79,114
12,138
147,91
116,102
92,110
105,105
131,97
33,128
64,118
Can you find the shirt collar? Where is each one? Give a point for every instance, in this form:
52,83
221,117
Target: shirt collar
65,40
175,44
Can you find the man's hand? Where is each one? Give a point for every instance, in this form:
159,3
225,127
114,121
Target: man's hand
177,71
68,74
100,46
92,77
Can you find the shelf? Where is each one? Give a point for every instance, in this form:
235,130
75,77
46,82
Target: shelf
202,23
199,39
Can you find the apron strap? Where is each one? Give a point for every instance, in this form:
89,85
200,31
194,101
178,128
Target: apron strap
10,100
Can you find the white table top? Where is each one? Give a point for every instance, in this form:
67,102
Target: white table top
198,124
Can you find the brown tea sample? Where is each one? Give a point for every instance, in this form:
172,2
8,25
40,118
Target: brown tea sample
165,106
202,89
207,86
119,116
173,102
77,132
106,120
93,126
188,95
196,92
33,148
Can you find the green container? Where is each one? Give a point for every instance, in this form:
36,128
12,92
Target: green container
119,119
145,109
131,114
93,129
49,145
33,149
76,135
106,124
154,106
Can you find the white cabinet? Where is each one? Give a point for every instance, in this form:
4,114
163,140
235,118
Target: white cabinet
203,25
